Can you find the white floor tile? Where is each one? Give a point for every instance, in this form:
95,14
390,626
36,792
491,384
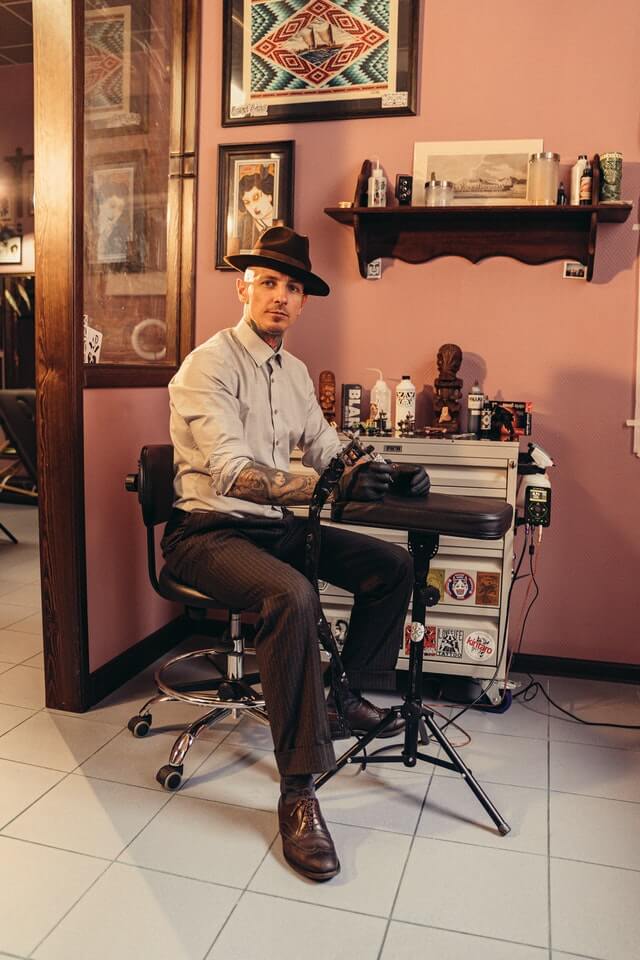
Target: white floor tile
5,666
17,647
594,910
37,662
519,720
31,624
371,863
95,817
134,760
238,775
374,798
286,930
51,740
594,771
518,761
22,687
12,716
21,785
209,841
39,884
29,595
139,913
452,812
11,614
600,831
408,942
597,701
491,893
252,733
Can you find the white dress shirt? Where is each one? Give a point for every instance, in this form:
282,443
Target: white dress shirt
234,401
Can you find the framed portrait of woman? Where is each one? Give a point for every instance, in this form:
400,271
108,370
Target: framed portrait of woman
255,191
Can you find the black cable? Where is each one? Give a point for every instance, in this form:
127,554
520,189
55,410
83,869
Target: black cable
537,687
504,640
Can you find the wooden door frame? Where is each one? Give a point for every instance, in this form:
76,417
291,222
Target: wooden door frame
58,44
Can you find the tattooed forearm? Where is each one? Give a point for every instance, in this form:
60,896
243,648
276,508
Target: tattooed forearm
261,484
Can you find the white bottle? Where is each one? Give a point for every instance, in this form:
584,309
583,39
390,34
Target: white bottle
576,174
380,399
377,195
405,401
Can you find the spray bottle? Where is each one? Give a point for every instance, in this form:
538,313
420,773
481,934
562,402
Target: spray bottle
405,401
380,398
377,192
475,403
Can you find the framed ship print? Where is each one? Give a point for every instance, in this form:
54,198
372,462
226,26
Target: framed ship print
303,60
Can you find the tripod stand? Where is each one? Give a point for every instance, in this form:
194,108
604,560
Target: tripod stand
485,519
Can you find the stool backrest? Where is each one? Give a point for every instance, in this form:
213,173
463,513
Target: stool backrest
155,483
18,420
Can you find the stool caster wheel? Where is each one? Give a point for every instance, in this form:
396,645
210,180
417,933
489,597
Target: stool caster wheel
140,726
170,777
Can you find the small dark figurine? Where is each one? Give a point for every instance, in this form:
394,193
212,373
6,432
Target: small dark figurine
327,395
448,389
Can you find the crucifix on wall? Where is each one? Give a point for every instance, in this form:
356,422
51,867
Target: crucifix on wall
17,162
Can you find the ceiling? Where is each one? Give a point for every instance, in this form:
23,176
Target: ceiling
16,32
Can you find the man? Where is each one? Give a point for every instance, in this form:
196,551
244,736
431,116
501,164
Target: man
239,404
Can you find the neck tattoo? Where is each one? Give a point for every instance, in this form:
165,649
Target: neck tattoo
273,340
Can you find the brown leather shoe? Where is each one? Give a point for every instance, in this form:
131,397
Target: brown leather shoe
362,716
306,842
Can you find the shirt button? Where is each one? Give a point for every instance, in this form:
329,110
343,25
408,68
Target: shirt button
277,443
275,411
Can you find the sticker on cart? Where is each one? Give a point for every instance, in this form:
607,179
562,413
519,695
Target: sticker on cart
488,589
479,645
449,642
460,586
435,578
430,647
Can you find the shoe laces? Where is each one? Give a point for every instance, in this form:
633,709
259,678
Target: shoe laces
308,806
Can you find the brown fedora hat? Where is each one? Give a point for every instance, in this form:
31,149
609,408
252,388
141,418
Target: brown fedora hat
287,252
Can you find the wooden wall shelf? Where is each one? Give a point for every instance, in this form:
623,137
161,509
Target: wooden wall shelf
531,234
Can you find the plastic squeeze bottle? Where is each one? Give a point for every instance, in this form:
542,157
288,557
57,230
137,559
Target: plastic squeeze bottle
380,400
405,401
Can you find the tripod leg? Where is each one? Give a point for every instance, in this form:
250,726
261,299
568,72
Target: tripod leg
461,767
6,531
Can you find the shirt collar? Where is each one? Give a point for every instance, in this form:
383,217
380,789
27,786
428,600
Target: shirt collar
259,351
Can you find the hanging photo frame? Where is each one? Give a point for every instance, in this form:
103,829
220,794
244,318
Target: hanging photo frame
318,60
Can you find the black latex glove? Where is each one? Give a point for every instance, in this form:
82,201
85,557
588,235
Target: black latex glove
368,480
410,480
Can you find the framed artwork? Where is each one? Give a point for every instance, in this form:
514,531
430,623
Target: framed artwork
11,250
116,63
318,60
482,171
115,234
255,191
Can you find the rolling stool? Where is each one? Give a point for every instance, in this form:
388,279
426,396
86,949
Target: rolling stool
229,693
426,519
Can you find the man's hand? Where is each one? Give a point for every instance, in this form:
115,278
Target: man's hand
410,480
420,483
367,480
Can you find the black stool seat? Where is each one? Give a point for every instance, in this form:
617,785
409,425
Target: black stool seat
438,514
173,589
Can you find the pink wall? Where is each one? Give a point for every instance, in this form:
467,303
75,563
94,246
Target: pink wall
122,605
496,70
16,130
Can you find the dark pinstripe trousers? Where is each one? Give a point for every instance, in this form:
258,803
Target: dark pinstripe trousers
256,564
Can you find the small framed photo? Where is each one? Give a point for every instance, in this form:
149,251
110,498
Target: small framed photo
318,60
115,228
11,250
483,172
573,270
255,191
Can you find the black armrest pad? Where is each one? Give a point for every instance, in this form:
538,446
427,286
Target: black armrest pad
480,518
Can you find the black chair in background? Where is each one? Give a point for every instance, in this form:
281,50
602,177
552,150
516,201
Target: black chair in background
226,693
18,422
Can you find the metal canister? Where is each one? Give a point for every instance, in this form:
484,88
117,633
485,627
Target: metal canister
438,193
542,179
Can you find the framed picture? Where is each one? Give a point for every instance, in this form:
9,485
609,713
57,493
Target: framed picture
11,250
318,60
482,171
115,227
116,62
255,191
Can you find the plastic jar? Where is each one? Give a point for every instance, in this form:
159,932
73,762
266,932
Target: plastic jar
437,193
542,180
